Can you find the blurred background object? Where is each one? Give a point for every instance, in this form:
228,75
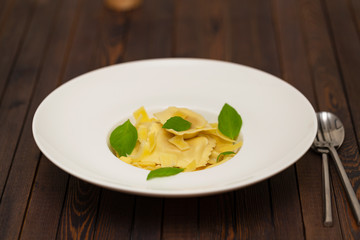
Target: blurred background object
122,5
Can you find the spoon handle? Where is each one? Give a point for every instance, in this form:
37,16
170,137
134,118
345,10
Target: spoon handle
328,220
346,182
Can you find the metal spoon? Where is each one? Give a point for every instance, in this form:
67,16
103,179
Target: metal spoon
328,219
334,134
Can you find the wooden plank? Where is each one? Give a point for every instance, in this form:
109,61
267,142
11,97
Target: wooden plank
10,41
150,39
3,4
201,33
354,6
116,214
217,218
47,198
296,71
331,97
12,35
13,110
253,212
47,195
286,206
80,210
83,52
113,33
5,9
252,35
294,64
309,177
180,219
147,218
347,46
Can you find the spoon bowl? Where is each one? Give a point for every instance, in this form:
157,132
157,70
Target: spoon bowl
332,128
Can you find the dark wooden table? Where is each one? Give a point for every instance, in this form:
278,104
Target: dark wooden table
312,44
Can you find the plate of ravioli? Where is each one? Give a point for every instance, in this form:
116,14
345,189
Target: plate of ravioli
174,127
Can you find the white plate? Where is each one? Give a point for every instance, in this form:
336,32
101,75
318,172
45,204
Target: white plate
71,126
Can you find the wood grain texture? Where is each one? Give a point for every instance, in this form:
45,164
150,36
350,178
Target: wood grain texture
286,205
217,217
12,37
354,7
151,31
46,202
292,50
84,53
113,32
200,29
5,9
296,70
253,212
80,210
13,111
180,219
50,183
147,218
331,97
347,45
12,34
310,188
252,36
115,217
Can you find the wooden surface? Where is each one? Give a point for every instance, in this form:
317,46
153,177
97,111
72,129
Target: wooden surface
312,44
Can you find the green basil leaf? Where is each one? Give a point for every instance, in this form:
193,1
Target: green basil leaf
164,172
229,121
223,154
123,138
177,123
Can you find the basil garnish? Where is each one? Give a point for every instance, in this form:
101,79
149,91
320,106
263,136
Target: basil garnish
123,139
164,172
229,122
223,154
177,123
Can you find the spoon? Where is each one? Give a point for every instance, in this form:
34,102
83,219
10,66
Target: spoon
334,134
328,220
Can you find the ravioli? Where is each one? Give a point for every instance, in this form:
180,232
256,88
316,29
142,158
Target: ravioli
193,149
198,122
